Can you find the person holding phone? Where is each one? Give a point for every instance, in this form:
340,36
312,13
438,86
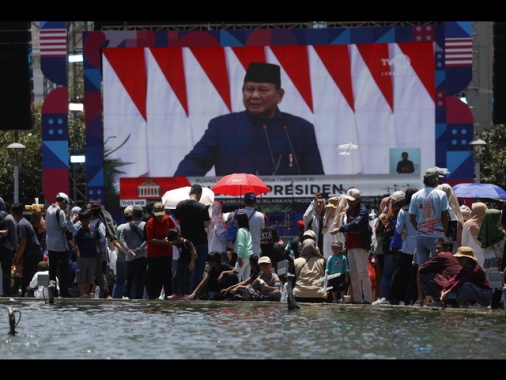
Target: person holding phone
313,218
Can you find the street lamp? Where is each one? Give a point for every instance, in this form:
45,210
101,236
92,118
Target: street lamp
476,143
16,152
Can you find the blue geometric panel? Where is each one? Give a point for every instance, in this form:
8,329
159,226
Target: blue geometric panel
54,127
343,38
459,136
92,79
228,39
460,164
56,154
97,179
384,34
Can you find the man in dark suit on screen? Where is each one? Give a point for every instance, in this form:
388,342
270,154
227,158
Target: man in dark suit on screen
261,140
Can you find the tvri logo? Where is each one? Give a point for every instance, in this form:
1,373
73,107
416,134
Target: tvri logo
397,65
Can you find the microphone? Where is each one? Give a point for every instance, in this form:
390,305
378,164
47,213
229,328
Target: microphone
292,157
270,149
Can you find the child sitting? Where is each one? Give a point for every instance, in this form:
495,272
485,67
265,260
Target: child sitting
267,286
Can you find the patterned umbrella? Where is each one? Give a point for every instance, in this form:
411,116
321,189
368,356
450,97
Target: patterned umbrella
240,184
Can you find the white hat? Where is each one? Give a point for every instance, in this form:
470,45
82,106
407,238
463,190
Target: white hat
264,259
75,210
62,197
397,196
309,234
352,194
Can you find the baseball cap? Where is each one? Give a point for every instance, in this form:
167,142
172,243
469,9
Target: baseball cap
309,234
63,197
128,211
397,196
300,224
352,194
264,260
158,209
137,211
431,173
250,198
337,243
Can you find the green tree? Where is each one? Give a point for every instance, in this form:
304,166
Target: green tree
493,159
30,168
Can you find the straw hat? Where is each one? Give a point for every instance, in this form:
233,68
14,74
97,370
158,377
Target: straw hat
465,252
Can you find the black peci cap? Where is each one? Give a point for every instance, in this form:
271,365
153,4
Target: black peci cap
263,72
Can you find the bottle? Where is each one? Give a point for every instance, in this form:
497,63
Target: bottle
284,293
97,291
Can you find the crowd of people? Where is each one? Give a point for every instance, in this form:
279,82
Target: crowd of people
423,249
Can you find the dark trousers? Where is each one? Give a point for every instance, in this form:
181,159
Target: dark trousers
136,275
29,269
403,282
182,279
431,288
6,262
59,264
100,279
159,274
200,265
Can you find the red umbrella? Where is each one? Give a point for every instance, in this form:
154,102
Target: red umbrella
240,184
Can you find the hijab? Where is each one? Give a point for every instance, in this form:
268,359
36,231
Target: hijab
217,216
473,224
383,216
490,232
309,249
452,201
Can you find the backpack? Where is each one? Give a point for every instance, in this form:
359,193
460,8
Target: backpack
232,228
110,224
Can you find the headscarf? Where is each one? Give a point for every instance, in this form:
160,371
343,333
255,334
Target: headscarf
466,212
309,248
452,201
383,216
217,219
473,224
490,232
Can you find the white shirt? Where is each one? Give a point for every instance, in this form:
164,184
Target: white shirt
41,291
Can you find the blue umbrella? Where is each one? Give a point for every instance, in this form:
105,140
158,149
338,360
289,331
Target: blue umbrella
479,190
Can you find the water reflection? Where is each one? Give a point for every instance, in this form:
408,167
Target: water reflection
71,329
